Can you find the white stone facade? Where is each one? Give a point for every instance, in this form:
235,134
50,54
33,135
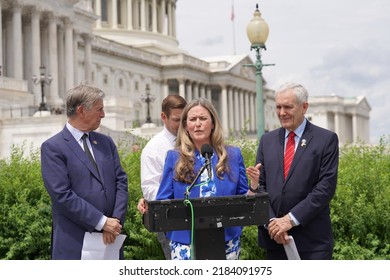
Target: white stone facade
121,46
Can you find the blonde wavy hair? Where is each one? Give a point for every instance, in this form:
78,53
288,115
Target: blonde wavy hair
184,169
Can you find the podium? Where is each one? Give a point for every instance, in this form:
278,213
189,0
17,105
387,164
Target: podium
211,216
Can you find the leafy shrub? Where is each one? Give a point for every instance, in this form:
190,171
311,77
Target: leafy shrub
25,220
360,210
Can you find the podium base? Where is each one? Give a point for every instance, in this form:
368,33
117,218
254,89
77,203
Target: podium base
210,244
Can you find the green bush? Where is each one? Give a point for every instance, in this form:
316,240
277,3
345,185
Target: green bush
25,220
360,210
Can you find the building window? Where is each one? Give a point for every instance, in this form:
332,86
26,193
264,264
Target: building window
120,83
105,79
119,11
136,86
104,11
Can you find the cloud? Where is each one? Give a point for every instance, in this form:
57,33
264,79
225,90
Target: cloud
330,46
351,71
354,67
211,41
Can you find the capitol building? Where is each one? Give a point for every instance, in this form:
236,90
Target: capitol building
129,49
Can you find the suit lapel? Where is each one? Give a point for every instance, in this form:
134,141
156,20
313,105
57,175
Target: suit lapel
79,152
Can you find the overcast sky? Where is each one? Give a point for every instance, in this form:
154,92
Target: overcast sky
333,46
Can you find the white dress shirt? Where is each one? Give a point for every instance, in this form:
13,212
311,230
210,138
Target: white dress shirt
152,162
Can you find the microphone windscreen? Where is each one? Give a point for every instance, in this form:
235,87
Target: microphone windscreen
206,149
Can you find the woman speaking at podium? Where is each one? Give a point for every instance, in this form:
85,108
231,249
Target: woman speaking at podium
200,127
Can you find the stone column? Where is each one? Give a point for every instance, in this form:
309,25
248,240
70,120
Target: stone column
52,94
174,20
17,43
88,58
355,133
246,110
231,109
61,62
114,15
69,70
169,18
182,89
77,78
337,123
98,12
35,52
253,111
242,114
154,15
208,93
130,14
8,68
236,111
189,91
162,17
224,113
195,93
99,77
202,91
143,16
165,88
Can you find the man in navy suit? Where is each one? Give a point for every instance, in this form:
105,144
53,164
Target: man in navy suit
299,200
88,194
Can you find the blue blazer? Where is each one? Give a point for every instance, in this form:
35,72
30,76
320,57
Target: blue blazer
80,195
233,183
308,189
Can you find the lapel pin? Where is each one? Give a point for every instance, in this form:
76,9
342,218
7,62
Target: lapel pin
303,142
95,142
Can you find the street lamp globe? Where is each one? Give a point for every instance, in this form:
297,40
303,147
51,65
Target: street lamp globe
257,30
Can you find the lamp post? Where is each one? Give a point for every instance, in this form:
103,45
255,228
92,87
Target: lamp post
257,32
42,80
148,98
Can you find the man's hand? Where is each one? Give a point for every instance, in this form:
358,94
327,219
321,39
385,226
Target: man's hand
253,173
278,228
113,226
108,238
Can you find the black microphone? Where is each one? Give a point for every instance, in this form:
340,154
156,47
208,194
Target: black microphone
207,151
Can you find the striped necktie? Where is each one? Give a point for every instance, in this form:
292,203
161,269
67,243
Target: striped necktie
289,154
87,151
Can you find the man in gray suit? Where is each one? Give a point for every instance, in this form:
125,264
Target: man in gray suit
300,182
83,176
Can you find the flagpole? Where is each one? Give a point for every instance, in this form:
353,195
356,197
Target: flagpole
234,31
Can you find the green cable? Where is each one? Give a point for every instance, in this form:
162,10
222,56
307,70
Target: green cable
188,202
192,245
